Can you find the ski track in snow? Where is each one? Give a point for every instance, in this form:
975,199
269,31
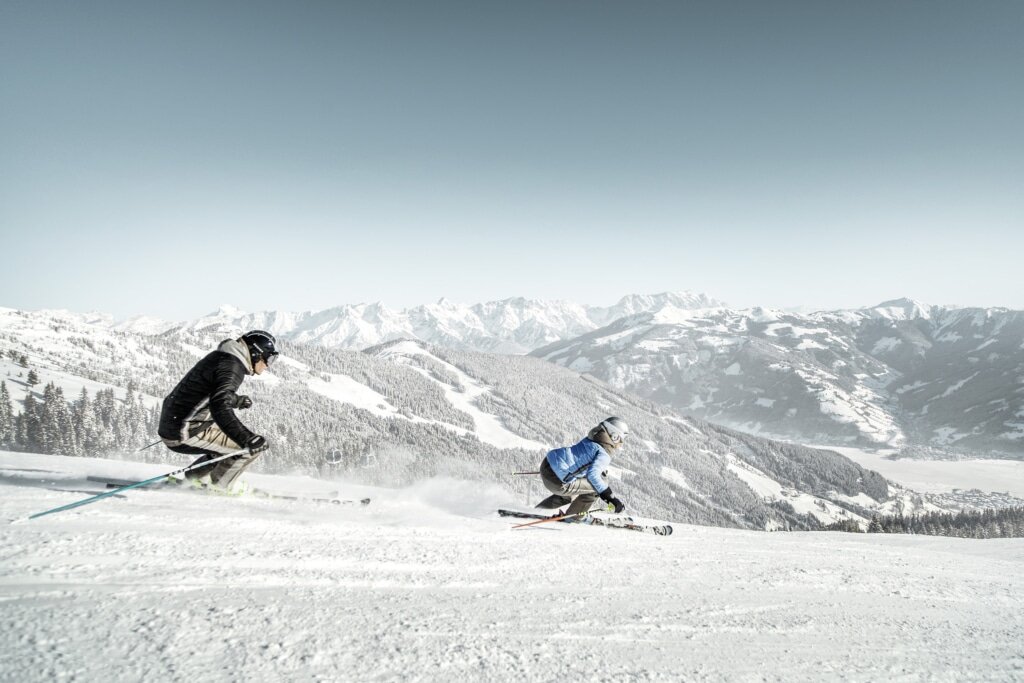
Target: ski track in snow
427,583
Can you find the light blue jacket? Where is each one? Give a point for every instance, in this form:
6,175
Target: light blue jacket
586,458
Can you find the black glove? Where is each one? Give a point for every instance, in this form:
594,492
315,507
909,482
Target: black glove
242,402
256,444
609,498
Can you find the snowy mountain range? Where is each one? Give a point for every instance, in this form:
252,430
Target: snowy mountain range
900,374
405,410
510,326
925,379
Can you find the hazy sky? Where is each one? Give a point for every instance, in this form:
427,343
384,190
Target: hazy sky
165,158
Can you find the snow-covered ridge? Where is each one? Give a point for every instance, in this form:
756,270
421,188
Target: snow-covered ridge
899,374
516,325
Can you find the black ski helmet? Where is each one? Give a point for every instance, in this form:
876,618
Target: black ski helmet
262,346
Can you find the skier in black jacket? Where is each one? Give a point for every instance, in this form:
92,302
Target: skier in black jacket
199,418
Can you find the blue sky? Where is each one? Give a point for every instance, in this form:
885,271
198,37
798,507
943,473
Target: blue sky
165,158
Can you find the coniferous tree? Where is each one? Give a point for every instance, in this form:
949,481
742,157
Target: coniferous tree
6,417
30,435
49,438
136,420
67,441
17,443
84,419
105,409
32,379
56,430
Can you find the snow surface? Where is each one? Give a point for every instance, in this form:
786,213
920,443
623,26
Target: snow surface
956,387
427,583
885,344
758,481
581,365
675,477
612,338
787,329
344,389
946,436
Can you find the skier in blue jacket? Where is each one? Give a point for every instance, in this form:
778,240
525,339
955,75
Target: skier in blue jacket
576,474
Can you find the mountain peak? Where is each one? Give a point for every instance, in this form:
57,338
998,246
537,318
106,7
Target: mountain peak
682,300
228,311
901,309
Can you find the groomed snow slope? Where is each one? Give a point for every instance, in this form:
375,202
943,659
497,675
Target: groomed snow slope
428,584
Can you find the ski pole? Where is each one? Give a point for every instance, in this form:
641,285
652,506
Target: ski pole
550,519
93,499
526,473
187,441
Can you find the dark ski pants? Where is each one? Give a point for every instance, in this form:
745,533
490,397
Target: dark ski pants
579,491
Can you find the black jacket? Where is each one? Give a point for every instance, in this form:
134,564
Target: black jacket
212,384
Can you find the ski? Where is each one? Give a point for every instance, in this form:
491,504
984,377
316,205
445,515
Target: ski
189,484
610,522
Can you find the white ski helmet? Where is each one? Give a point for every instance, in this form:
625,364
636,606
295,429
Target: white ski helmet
615,427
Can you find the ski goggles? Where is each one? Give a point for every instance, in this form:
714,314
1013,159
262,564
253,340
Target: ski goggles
267,356
617,435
